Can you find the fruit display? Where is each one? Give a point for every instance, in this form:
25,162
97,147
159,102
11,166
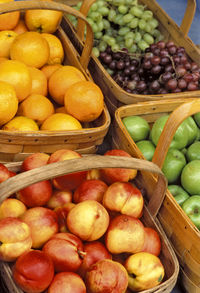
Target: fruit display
35,80
163,68
121,24
130,46
79,235
182,162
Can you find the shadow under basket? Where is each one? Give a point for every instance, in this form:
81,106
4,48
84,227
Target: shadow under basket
15,146
180,230
115,96
88,162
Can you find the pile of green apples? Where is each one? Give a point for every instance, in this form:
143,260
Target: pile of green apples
182,162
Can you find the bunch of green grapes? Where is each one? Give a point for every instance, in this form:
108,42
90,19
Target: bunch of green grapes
121,24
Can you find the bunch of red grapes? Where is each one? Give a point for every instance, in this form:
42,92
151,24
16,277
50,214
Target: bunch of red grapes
163,68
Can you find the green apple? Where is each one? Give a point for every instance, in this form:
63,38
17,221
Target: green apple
197,118
137,127
179,194
190,177
198,134
180,139
192,209
147,148
173,165
193,152
192,129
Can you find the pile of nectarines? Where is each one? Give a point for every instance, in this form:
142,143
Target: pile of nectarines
80,232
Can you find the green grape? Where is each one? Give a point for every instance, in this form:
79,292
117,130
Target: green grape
129,42
130,35
95,28
138,37
148,28
134,2
120,21
94,7
127,18
110,32
142,24
106,23
142,45
134,23
119,38
100,3
105,38
153,22
147,15
111,15
118,18
96,16
148,38
123,9
123,31
98,35
115,47
102,46
129,2
117,2
104,11
111,41
121,45
133,49
136,11
156,33
91,22
95,51
100,25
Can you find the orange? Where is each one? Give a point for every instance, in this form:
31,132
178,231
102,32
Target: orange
8,102
17,74
50,69
9,20
30,48
43,20
36,107
21,123
56,49
61,79
6,39
20,27
39,81
61,121
84,100
3,59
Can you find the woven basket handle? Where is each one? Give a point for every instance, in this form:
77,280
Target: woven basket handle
51,5
185,24
50,171
175,119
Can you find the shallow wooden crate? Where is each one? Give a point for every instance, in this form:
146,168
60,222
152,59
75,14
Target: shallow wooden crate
183,234
114,94
149,217
17,145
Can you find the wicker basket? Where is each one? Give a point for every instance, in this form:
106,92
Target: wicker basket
115,96
149,218
183,234
17,145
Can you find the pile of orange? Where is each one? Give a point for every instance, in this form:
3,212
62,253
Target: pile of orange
37,90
